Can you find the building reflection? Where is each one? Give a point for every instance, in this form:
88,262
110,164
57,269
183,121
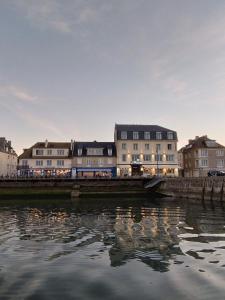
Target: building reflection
152,235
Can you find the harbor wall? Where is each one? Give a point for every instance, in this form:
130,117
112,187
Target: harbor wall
206,188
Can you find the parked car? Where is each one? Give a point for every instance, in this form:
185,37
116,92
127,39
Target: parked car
216,173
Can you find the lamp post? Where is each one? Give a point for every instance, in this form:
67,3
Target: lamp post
157,160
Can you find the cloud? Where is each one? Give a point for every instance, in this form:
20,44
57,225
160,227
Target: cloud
32,119
18,93
45,14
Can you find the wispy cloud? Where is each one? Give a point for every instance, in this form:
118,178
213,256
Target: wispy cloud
18,93
45,14
60,16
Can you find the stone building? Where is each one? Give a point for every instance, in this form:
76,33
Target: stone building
146,150
94,159
8,159
46,159
201,155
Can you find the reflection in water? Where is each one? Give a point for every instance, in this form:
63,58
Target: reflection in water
45,243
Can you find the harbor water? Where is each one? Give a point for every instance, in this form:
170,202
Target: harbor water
111,249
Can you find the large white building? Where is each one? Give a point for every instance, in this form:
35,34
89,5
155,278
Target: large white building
46,159
146,150
8,159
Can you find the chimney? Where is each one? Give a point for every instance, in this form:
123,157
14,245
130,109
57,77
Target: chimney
71,145
46,143
197,137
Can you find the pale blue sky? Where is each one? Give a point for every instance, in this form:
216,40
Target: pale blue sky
72,68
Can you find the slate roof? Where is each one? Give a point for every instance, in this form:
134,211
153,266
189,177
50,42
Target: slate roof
51,145
202,142
130,128
95,144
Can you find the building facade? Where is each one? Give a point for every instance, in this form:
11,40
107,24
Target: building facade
94,159
145,150
8,159
202,155
46,159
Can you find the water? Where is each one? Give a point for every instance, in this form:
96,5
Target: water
111,250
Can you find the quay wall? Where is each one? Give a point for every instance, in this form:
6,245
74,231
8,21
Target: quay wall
73,187
205,188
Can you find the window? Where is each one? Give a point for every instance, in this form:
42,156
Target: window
24,162
94,151
170,157
109,151
169,146
204,163
89,162
49,162
204,153
123,135
124,146
220,152
79,161
39,152
135,135
49,152
196,163
158,135
158,157
79,151
170,135
39,163
135,157
146,146
60,162
220,163
135,146
147,135
60,152
158,147
147,157
124,157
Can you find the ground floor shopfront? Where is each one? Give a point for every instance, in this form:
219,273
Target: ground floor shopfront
44,172
93,172
147,170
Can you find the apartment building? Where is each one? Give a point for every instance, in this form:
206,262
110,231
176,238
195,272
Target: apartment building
94,159
8,159
145,150
46,159
201,155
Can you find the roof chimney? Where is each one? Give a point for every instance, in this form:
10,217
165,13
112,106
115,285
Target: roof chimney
46,143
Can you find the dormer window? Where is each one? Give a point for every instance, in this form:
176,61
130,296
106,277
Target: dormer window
79,151
39,152
109,151
94,151
123,135
170,135
147,135
135,135
60,152
158,135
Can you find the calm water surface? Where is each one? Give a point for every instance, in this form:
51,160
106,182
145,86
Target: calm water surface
120,249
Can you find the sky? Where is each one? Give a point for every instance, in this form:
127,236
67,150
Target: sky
71,69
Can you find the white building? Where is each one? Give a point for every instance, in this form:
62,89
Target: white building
8,159
146,150
46,159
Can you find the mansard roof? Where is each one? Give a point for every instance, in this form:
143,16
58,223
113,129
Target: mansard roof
130,128
100,145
